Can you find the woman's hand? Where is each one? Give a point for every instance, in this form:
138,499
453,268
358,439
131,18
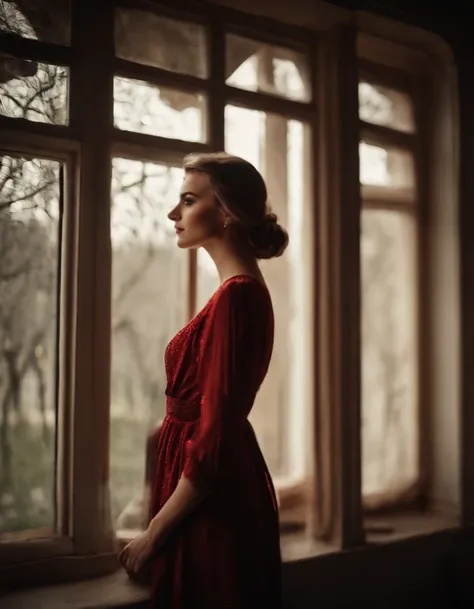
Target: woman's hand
182,502
135,554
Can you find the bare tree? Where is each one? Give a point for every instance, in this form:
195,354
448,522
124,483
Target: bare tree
30,224
147,304
46,20
29,214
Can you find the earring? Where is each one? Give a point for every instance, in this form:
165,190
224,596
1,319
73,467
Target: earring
225,224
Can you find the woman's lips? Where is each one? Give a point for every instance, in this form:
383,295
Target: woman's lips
178,230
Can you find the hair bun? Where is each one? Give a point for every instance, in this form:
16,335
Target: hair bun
268,239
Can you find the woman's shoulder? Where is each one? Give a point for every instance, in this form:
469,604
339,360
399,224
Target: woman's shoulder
241,286
241,294
242,305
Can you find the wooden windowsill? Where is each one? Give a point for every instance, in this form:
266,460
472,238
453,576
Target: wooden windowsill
116,591
395,527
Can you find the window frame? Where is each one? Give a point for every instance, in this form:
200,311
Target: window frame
52,558
65,152
426,65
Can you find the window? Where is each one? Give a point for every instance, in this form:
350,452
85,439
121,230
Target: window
149,305
30,279
276,148
379,105
37,244
38,91
36,20
255,66
143,108
97,111
389,260
180,46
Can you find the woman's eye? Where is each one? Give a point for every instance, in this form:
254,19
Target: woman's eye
188,201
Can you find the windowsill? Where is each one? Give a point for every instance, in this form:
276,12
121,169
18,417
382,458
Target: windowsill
116,591
395,527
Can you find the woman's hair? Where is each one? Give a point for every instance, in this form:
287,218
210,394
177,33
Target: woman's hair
241,191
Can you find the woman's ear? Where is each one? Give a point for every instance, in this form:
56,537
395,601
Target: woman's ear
226,218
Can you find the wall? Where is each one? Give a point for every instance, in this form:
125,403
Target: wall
443,266
431,572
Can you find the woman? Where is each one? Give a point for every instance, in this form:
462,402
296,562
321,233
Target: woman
213,538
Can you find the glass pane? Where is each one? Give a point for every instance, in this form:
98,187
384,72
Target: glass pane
41,20
388,167
148,308
178,46
145,108
387,107
34,91
30,220
277,147
389,352
256,66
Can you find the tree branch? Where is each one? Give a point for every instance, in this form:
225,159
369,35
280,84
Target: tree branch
30,195
20,270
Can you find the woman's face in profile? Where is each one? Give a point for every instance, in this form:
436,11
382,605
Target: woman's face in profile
197,217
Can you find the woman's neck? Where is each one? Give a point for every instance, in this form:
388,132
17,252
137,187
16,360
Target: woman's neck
231,260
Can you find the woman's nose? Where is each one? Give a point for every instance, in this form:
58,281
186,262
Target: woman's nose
174,214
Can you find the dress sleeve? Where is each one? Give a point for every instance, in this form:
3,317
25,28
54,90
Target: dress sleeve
231,342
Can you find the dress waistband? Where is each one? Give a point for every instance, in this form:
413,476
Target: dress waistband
182,409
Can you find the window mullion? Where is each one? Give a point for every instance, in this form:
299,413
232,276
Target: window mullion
92,118
215,127
378,134
338,507
217,100
347,276
269,103
153,145
160,76
34,49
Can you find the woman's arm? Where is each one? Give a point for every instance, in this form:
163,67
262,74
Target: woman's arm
234,334
184,500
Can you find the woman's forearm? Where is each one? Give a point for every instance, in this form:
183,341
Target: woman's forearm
182,502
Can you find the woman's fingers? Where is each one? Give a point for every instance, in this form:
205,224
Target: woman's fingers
125,558
130,562
133,564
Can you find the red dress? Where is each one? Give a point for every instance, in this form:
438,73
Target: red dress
226,555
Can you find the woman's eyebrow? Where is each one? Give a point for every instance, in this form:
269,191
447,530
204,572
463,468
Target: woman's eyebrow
185,194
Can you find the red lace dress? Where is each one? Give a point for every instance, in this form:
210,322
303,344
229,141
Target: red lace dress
226,555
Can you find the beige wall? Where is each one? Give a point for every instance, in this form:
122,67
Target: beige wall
443,373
